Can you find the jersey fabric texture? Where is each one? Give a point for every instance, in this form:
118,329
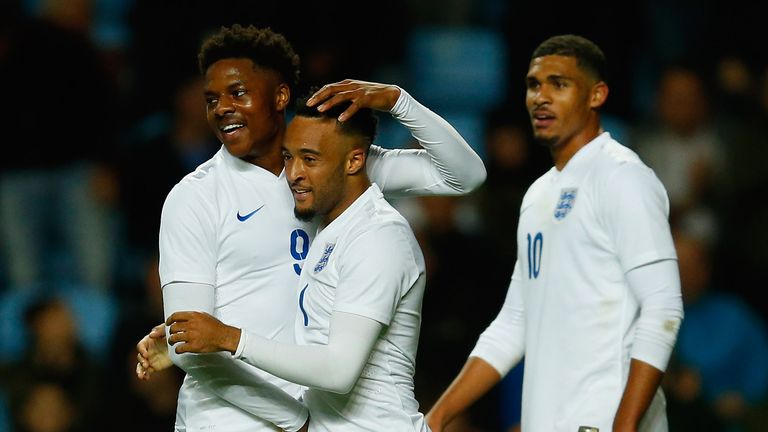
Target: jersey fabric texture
366,262
571,311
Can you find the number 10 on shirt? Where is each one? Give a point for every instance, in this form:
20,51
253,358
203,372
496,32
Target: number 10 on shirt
535,245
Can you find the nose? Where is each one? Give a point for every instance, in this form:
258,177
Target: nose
294,170
541,96
223,106
537,97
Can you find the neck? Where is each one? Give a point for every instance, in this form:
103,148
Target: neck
271,158
353,189
563,151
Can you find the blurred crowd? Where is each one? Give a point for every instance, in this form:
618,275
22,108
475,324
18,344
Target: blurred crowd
106,114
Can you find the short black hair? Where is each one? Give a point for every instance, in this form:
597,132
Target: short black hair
588,55
264,47
364,123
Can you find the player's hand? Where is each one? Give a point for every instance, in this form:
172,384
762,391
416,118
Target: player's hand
199,332
362,94
152,353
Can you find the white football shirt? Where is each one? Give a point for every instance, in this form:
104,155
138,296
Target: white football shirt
570,310
230,224
366,262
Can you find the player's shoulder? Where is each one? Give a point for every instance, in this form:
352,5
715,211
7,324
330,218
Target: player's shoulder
610,153
615,159
197,186
538,187
377,218
382,232
381,213
206,173
618,169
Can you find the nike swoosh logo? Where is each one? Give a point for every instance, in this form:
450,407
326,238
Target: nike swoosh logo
243,218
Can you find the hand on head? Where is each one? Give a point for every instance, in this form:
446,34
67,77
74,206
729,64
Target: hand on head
361,94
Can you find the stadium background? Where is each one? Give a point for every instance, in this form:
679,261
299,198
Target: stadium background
103,115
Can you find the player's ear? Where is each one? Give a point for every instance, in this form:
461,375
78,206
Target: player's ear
599,94
282,96
356,161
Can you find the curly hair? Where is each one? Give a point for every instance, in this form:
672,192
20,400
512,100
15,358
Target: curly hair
264,47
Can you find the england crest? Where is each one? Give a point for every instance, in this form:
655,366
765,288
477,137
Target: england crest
324,259
565,203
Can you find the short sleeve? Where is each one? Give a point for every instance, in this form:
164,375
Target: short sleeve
376,271
187,237
636,209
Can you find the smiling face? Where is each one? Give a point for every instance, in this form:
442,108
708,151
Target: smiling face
319,161
245,107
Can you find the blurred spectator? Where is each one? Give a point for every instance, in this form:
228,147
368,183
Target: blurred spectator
46,406
683,147
55,370
743,106
735,88
718,377
94,314
57,186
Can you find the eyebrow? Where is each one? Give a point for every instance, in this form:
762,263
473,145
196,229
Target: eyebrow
549,78
303,151
235,84
311,151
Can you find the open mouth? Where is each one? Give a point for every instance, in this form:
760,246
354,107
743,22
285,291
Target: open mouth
542,119
231,129
300,194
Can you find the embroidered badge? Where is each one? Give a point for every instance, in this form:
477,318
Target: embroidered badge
565,203
324,259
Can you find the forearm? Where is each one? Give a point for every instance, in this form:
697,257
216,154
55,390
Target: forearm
224,376
657,289
447,165
333,367
243,387
476,378
642,384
